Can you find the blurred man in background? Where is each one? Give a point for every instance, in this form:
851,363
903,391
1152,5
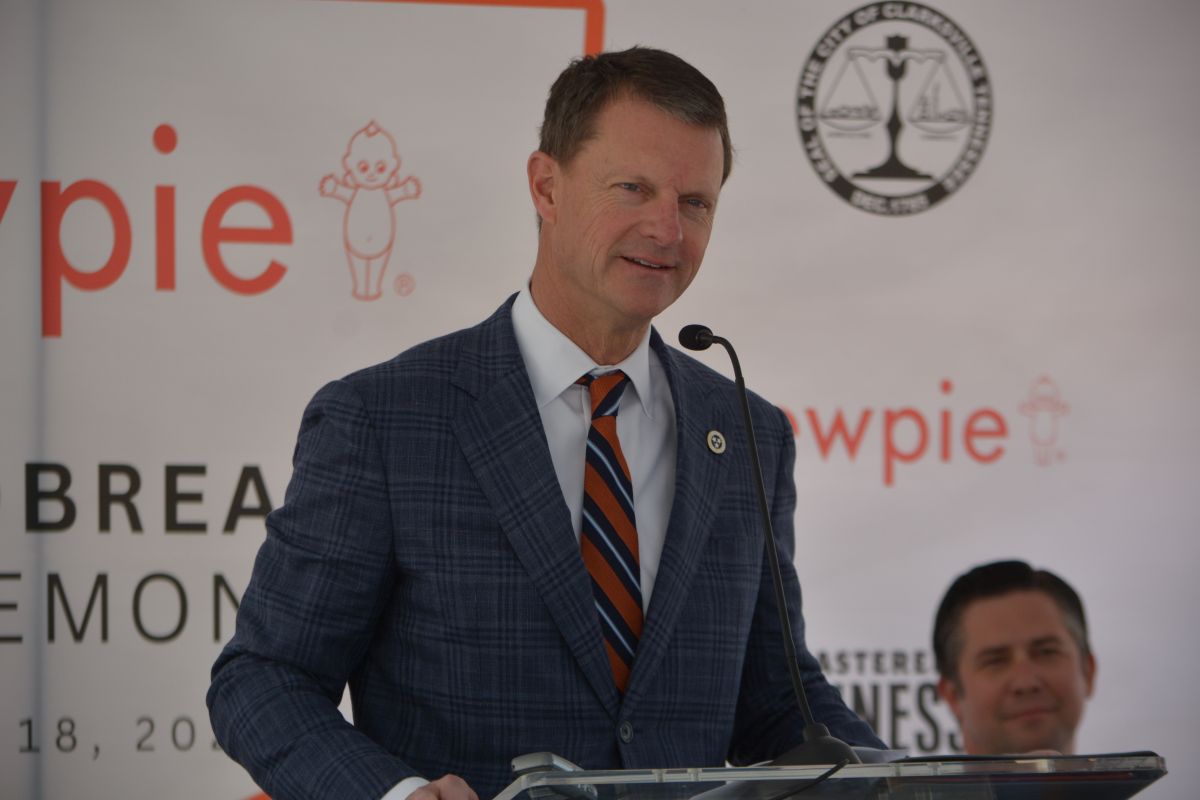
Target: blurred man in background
1015,665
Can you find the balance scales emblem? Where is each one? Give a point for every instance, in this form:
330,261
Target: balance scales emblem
894,128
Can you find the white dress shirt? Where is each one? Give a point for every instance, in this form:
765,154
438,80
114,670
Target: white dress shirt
645,426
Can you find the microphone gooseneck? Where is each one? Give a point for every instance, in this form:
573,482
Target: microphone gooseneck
819,746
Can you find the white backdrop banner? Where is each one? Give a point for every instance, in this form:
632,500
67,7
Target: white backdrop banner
969,279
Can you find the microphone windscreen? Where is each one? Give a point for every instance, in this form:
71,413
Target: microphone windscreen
696,337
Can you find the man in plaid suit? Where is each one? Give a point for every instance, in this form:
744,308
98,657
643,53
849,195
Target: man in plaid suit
428,551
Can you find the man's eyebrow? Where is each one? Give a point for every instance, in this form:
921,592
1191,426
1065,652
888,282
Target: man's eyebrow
632,176
1053,638
989,652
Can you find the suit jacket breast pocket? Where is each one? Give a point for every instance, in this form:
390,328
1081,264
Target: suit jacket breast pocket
725,587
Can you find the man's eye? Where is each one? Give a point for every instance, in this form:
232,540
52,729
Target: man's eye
630,187
696,202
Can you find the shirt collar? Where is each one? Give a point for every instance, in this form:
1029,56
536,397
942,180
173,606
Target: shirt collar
554,362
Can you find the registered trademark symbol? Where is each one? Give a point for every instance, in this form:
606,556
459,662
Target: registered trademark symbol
405,284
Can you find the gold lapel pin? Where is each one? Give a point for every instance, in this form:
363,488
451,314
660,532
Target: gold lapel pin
716,442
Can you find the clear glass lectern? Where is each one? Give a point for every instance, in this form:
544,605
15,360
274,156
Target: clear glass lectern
1100,777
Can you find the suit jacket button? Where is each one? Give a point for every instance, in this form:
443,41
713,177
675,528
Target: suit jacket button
626,732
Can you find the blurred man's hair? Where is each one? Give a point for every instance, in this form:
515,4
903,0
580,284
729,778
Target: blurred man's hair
664,80
993,580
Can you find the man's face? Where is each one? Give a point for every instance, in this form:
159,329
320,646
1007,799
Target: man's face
1022,679
627,220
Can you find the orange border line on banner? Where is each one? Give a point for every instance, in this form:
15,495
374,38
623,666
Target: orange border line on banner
593,25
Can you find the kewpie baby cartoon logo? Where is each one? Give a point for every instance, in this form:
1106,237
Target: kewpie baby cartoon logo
1043,407
370,187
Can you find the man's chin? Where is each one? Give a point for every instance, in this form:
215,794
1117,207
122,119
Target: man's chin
1035,735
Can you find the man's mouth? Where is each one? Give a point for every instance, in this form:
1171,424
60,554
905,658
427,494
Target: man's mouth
641,262
1029,713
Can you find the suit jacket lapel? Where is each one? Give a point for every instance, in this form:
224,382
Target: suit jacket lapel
699,479
502,438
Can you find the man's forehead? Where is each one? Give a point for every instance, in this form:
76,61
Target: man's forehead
1015,619
627,127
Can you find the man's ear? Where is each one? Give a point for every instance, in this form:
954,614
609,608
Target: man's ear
544,182
949,692
1089,674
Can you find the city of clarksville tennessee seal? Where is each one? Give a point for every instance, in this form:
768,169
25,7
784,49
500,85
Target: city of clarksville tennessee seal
894,107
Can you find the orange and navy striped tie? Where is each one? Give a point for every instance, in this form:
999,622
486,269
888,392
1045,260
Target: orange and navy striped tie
609,542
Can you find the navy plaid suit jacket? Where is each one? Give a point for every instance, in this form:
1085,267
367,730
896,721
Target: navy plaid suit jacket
424,554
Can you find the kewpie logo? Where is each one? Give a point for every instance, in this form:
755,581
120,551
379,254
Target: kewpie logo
910,434
1043,408
370,187
57,268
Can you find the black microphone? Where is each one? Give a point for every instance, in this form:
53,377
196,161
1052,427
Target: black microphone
819,746
696,337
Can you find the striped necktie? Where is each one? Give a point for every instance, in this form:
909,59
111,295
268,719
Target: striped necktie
609,541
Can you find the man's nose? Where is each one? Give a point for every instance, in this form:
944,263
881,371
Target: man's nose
1025,678
662,223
